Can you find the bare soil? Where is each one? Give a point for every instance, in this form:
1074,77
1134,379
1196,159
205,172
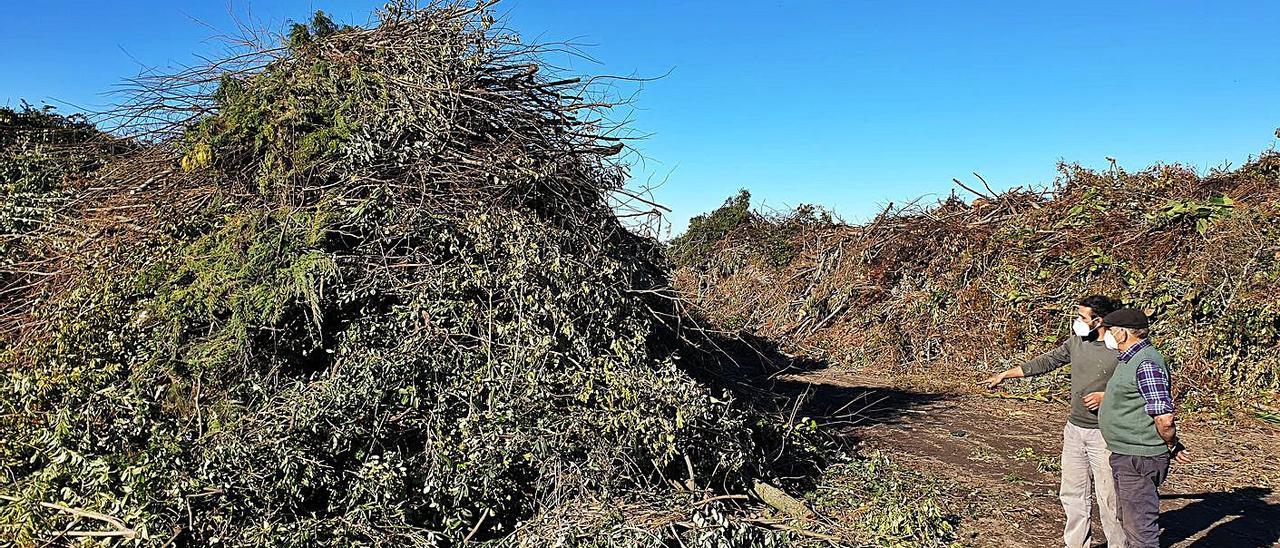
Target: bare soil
998,457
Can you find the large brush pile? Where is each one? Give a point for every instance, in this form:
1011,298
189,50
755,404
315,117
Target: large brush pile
959,287
364,288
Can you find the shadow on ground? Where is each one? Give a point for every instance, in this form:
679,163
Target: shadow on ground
755,369
1242,517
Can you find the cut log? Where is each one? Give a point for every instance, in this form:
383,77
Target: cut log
780,500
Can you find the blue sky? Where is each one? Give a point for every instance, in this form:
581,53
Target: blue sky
846,104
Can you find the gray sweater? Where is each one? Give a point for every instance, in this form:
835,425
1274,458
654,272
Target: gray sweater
1092,364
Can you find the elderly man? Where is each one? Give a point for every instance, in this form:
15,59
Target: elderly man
1137,422
1085,460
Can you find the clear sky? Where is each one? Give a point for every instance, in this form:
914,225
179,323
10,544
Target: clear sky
848,104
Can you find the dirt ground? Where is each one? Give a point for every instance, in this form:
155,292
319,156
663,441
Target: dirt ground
999,457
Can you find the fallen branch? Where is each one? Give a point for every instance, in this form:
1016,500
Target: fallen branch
475,529
121,529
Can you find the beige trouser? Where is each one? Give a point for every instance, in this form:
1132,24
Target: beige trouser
1086,467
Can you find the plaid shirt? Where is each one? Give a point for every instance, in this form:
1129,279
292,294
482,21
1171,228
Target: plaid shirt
1153,382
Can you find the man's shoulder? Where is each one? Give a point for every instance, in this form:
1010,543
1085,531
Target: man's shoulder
1152,354
1156,357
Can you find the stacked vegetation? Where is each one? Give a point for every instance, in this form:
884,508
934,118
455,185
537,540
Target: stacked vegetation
38,151
958,287
365,288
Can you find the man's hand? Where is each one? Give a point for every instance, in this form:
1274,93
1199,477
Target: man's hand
1167,428
1181,457
1093,400
1179,453
994,380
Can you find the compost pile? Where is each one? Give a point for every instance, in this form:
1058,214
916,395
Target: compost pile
368,286
961,288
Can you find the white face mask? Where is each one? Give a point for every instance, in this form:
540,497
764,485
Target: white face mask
1110,341
1082,329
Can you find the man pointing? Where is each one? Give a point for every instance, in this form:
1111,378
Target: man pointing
1085,460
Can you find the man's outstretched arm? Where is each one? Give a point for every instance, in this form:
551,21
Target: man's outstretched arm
1014,372
1039,365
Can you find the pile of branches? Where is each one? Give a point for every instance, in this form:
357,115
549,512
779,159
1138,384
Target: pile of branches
962,286
367,286
39,149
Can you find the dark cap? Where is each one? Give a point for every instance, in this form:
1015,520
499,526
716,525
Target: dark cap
1131,318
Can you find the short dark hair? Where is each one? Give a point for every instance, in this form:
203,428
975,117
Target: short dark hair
1101,305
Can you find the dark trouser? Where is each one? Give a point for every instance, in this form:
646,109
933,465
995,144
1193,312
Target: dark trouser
1137,479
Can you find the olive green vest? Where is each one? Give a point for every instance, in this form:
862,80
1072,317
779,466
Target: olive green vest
1123,418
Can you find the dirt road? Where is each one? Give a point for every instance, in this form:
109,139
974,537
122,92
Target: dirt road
1000,459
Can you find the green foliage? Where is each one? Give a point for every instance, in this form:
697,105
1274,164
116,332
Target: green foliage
699,240
1202,214
736,229
716,527
885,504
1043,462
301,35
1085,211
513,358
333,325
290,121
